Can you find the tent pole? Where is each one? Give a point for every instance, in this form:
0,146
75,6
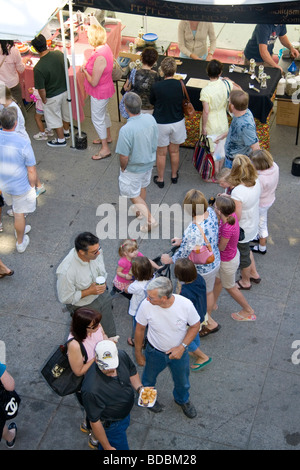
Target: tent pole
67,74
74,66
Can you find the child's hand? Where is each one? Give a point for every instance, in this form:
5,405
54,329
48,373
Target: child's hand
30,90
128,277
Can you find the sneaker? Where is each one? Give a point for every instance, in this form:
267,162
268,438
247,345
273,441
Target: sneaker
11,444
188,409
257,249
84,428
27,230
55,143
93,443
1,227
40,136
67,135
41,190
49,132
22,247
157,407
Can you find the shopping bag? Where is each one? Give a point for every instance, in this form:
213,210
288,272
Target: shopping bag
9,403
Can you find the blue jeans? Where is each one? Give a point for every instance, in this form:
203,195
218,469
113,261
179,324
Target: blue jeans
157,361
116,434
194,344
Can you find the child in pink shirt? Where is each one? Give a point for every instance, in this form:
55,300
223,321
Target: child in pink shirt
127,251
43,133
268,175
229,232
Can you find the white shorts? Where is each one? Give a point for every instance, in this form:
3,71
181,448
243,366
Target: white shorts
131,184
23,204
56,110
227,271
174,133
209,279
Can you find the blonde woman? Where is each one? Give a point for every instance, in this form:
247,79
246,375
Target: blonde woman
99,85
246,194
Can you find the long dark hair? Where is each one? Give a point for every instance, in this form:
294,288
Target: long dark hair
81,319
6,45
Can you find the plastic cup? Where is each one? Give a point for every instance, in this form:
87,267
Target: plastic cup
100,280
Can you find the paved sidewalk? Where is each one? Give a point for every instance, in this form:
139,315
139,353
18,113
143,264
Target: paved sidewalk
247,398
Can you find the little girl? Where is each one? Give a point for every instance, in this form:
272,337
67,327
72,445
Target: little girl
142,271
43,133
229,232
268,175
127,251
193,287
222,179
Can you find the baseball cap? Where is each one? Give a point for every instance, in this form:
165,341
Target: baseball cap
107,355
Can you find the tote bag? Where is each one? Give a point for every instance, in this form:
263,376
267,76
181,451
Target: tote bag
202,158
58,373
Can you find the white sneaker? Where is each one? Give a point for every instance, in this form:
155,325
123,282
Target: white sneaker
27,230
22,247
40,136
1,227
10,212
49,132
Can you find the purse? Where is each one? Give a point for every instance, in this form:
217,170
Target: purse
9,403
187,107
58,373
117,72
202,254
202,158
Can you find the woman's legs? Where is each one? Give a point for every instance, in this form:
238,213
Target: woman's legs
174,157
161,155
102,123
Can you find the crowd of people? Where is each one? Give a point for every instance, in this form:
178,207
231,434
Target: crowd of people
222,237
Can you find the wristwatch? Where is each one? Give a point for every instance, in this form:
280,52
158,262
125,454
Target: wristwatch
184,345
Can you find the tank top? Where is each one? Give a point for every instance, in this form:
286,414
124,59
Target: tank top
105,87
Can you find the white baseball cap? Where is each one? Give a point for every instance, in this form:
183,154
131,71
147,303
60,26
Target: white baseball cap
106,355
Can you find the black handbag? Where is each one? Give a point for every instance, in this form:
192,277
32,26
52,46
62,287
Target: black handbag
58,373
9,403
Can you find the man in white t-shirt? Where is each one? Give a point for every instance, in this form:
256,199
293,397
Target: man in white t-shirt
173,323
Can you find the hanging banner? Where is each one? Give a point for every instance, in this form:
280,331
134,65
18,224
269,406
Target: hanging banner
247,11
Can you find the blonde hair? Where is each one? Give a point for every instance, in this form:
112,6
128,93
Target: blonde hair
96,35
223,174
194,202
262,159
127,246
242,172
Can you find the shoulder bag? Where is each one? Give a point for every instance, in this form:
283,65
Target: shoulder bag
202,254
9,403
58,373
187,107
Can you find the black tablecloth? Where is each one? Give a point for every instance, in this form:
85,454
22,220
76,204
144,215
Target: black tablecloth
260,104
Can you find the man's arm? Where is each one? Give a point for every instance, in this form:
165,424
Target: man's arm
42,93
136,381
138,342
286,43
32,175
123,162
191,333
266,56
255,146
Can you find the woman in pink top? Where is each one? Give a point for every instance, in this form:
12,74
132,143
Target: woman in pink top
268,175
229,232
99,85
11,65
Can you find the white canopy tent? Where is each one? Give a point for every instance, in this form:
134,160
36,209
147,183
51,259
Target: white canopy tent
23,19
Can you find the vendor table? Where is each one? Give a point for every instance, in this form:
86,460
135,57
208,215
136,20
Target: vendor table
260,104
82,52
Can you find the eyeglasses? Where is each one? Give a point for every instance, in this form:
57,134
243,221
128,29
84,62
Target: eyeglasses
94,252
93,327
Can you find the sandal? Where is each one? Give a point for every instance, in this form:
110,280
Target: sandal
237,317
99,141
149,226
130,341
206,331
7,274
100,156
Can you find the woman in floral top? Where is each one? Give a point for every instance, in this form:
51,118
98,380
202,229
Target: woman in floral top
197,206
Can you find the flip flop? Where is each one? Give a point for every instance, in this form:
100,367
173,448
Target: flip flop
200,366
99,141
130,341
100,156
7,274
241,318
206,331
149,227
255,280
242,287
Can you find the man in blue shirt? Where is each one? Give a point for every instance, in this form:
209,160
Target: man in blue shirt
17,175
260,46
241,136
137,144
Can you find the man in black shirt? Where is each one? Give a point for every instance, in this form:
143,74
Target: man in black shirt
108,395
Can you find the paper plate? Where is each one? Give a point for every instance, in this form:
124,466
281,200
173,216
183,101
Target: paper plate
149,404
150,37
